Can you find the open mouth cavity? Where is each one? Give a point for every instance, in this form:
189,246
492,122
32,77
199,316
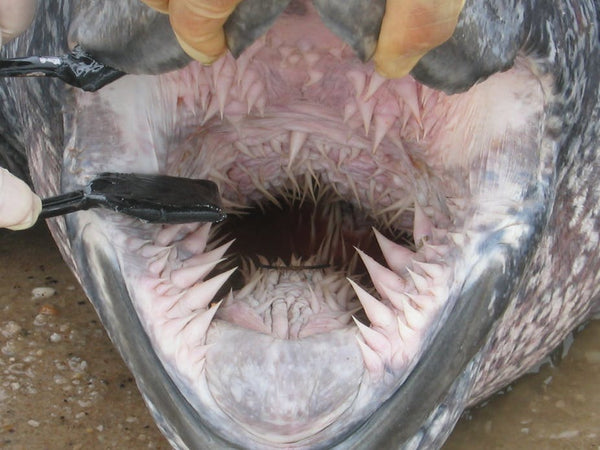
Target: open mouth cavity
358,204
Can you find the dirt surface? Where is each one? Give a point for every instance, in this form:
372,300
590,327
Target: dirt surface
63,386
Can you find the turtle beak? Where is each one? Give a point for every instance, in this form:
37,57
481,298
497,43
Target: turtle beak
395,33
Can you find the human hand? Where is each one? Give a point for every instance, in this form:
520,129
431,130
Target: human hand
198,25
410,29
19,206
15,17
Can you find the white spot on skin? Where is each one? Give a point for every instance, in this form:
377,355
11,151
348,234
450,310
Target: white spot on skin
51,60
579,264
43,292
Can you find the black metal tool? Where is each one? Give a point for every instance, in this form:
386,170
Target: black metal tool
77,68
153,198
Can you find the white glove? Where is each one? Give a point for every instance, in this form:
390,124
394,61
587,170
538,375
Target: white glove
198,25
15,17
19,206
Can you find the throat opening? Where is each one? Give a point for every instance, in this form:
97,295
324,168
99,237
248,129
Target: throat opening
315,231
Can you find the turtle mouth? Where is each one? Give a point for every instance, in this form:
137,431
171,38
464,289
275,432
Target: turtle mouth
362,209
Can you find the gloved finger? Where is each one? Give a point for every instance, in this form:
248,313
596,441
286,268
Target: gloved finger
159,5
198,25
411,28
19,206
15,17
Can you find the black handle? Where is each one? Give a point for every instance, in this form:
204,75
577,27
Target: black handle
152,198
77,68
63,204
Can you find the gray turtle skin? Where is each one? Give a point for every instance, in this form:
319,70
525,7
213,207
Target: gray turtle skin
526,284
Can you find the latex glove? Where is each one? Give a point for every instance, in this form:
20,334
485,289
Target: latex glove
411,28
15,17
198,25
19,206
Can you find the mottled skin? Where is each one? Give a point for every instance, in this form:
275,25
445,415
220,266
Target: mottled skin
557,290
560,288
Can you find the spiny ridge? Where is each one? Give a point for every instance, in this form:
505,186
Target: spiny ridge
379,314
398,323
195,330
199,296
186,276
381,275
396,256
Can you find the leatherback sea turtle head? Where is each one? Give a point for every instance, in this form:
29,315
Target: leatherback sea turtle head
401,248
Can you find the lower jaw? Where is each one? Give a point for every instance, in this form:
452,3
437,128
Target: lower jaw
410,288
244,352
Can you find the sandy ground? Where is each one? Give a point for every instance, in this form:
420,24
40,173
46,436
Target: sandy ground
63,386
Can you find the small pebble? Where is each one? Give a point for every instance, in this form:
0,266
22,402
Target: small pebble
77,365
33,423
55,337
568,434
10,329
48,310
43,292
40,320
10,348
